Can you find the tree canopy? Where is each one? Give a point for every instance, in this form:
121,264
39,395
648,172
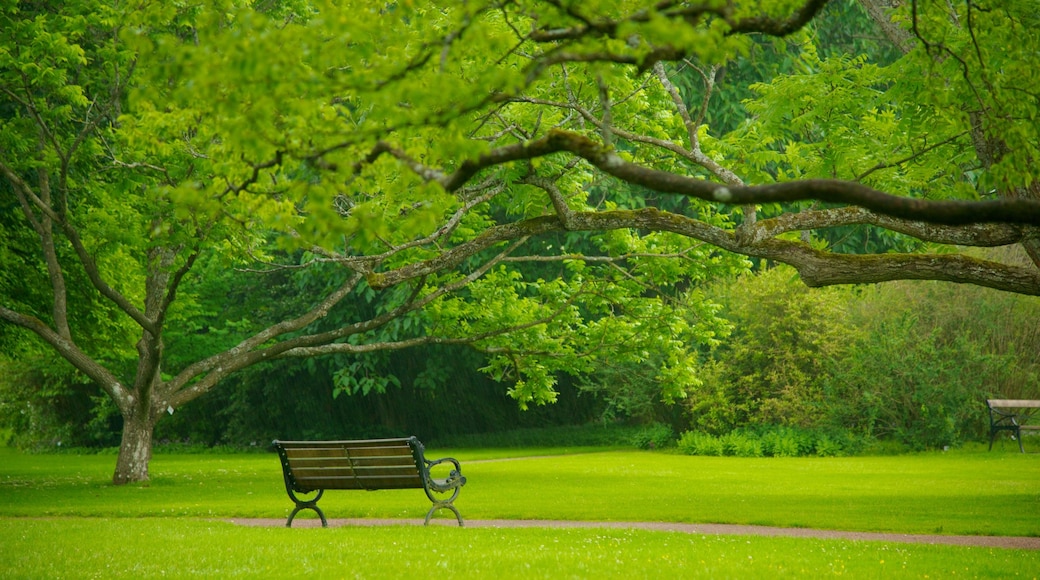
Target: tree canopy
548,181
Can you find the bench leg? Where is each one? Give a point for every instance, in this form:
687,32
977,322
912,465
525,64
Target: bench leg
447,506
306,505
325,523
1016,434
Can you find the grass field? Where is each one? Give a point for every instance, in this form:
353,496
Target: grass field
92,529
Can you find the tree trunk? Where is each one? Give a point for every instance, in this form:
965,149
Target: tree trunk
135,450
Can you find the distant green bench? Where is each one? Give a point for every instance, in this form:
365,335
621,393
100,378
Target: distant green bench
1011,415
371,464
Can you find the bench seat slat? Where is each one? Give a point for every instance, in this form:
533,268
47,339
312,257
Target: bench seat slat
346,443
372,460
339,451
346,473
347,462
1013,403
334,481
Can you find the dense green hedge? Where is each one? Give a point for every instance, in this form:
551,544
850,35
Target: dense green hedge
772,441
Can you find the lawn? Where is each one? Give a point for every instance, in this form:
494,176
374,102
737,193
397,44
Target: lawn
191,547
94,529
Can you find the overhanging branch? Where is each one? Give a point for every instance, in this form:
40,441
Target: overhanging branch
1012,211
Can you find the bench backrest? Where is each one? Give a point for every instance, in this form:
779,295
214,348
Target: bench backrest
368,464
1012,403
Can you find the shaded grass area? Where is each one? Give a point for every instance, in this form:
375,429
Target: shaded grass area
964,492
190,547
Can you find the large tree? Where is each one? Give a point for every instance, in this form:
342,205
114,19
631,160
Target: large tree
539,179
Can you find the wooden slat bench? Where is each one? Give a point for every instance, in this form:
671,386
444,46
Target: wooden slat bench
371,464
1011,415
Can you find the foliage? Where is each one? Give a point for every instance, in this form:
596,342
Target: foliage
950,46
631,387
654,436
771,367
189,203
911,362
928,361
771,441
284,401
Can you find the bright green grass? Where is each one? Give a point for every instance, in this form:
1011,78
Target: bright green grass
189,547
964,492
101,532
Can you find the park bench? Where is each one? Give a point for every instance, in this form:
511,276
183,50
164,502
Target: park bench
371,464
1011,415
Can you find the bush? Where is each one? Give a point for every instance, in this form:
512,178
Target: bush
924,392
772,441
771,369
931,355
699,443
911,362
783,443
827,447
741,444
655,436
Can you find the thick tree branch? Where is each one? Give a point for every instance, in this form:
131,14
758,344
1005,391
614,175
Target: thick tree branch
690,14
225,358
1020,211
825,269
774,27
248,353
820,268
341,347
72,353
979,235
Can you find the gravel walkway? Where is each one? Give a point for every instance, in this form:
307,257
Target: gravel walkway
1014,542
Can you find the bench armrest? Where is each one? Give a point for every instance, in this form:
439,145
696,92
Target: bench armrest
454,480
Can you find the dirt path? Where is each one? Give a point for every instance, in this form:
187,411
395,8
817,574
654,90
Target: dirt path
1014,542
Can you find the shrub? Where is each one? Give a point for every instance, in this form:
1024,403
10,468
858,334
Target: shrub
782,443
771,369
698,443
931,354
772,441
741,444
654,436
827,447
925,392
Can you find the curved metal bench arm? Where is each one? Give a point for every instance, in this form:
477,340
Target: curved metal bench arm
453,484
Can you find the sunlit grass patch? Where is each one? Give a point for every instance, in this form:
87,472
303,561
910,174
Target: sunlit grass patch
948,493
183,547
